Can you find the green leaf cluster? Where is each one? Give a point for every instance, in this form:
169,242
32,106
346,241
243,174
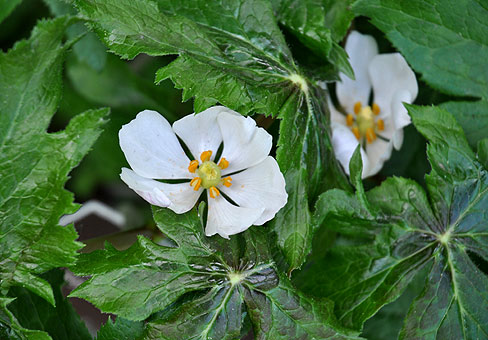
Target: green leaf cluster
237,57
393,232
202,288
34,167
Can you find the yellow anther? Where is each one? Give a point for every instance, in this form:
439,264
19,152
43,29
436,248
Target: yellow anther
227,181
224,163
195,183
381,124
205,156
355,130
370,135
376,109
349,120
213,192
193,166
357,107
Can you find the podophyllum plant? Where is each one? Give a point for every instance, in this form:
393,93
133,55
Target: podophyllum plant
275,215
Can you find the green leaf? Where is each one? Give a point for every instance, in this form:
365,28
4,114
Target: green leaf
378,253
121,329
356,171
483,152
350,265
202,287
88,49
388,322
473,118
60,322
452,302
282,306
205,317
6,7
448,52
230,52
319,25
306,159
10,329
34,165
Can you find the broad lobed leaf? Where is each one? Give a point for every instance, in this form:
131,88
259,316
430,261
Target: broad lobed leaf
306,159
34,165
236,46
202,288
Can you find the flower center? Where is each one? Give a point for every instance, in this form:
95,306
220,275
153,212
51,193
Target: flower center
365,125
209,174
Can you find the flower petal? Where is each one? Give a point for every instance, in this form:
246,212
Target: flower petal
335,116
361,50
261,186
377,152
345,143
390,74
145,187
245,144
397,139
399,112
152,149
400,116
178,197
200,131
226,219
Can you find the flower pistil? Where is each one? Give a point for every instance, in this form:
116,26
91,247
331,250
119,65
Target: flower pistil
209,174
364,124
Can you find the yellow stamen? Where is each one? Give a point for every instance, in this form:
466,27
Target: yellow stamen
370,135
349,120
193,166
355,130
224,163
205,156
381,124
227,181
213,192
197,181
357,107
376,109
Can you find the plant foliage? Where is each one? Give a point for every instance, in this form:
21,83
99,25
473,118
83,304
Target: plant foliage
409,257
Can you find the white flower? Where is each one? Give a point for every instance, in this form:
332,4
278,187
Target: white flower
244,173
378,127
